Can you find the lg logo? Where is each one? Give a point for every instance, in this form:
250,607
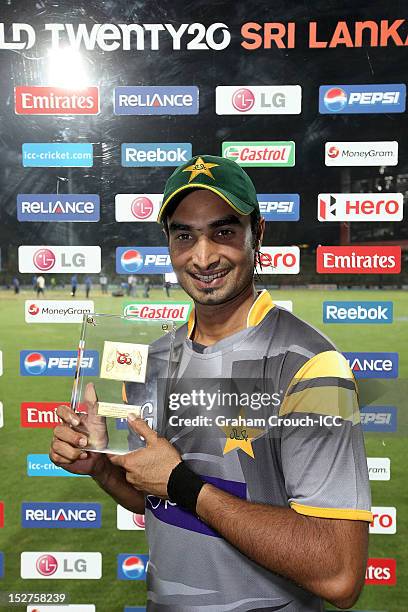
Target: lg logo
142,207
243,100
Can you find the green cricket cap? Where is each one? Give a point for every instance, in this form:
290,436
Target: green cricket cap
218,174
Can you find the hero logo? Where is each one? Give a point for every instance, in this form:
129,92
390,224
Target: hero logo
373,365
279,260
360,207
243,100
381,571
384,520
142,208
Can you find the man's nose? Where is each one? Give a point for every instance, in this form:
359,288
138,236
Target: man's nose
204,254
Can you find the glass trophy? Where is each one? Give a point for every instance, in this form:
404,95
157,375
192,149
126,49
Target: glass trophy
123,366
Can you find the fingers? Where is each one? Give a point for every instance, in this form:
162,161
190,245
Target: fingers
117,460
90,396
67,415
142,428
62,452
66,434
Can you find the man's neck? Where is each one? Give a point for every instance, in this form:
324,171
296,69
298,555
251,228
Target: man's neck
213,323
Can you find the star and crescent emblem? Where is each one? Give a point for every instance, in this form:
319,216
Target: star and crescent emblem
200,167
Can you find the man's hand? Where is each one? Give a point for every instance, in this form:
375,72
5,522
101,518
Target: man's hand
148,469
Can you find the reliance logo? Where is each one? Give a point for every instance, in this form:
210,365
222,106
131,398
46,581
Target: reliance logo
159,100
373,365
358,259
60,515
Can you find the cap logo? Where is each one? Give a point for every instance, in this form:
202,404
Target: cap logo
200,167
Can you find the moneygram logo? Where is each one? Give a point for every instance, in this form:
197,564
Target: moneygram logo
57,363
65,565
143,260
137,207
388,98
40,414
152,154
59,259
57,311
373,365
360,207
176,311
358,259
159,100
358,312
379,468
279,260
57,207
279,206
381,571
132,567
61,515
56,101
261,153
129,521
258,100
379,418
374,153
384,520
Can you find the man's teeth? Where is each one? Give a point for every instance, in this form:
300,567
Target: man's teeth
208,278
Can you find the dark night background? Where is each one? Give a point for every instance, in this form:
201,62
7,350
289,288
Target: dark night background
206,131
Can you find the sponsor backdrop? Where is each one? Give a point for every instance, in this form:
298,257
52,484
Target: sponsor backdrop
100,101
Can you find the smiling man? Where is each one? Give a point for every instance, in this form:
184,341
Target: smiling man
259,519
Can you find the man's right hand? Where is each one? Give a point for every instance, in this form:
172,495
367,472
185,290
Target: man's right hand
67,444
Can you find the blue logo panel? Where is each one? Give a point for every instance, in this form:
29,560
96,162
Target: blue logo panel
132,566
279,206
373,365
57,154
41,465
134,609
358,312
143,260
159,100
389,98
1,565
152,154
58,207
379,419
57,363
63,515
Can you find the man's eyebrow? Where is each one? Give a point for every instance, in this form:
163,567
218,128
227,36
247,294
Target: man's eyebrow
229,220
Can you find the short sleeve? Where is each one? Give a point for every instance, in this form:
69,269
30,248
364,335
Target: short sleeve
322,446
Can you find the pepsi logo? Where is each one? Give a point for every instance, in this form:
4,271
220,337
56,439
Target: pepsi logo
243,99
33,309
46,565
133,567
142,207
335,99
35,363
131,260
44,259
139,520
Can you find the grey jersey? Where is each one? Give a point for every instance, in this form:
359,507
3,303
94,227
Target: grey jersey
192,568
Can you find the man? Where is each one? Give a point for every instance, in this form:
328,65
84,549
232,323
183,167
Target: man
74,284
254,520
40,285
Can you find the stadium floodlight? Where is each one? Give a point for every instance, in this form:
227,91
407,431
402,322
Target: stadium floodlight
66,68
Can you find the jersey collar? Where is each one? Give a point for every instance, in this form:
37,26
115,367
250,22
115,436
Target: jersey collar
258,311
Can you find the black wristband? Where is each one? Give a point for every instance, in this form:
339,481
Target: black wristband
184,486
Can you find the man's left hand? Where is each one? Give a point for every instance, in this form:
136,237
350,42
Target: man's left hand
148,469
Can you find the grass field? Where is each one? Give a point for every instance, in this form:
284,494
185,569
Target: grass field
110,594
